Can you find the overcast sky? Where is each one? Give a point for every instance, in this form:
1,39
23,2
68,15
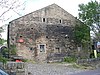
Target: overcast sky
70,6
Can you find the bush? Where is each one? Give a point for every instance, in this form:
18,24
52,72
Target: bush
98,55
3,59
13,50
25,60
92,55
69,59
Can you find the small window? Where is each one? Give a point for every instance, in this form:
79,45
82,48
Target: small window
31,48
46,36
43,19
57,50
60,21
13,39
20,36
31,28
58,40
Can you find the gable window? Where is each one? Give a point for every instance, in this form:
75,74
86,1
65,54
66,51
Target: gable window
60,21
43,19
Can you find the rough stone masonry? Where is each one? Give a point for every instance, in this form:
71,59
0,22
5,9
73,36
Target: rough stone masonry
45,34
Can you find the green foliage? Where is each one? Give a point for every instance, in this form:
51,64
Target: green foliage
81,33
98,55
88,12
2,41
13,50
90,15
25,60
1,29
3,55
69,59
92,55
4,52
3,59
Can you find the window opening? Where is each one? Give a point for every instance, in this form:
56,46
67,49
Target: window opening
31,28
31,48
20,36
43,19
60,21
12,38
58,50
42,48
46,36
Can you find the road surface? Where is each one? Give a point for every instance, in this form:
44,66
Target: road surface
91,72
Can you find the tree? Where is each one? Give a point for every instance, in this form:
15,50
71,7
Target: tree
6,7
81,33
10,5
90,15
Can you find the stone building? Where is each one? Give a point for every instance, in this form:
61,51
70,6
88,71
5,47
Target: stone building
45,34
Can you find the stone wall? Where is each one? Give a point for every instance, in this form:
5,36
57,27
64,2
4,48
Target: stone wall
49,30
14,68
95,62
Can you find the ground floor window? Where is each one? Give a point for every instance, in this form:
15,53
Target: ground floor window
42,48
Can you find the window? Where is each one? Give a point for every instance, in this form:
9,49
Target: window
20,36
31,28
12,39
60,21
46,36
42,48
57,50
43,19
31,48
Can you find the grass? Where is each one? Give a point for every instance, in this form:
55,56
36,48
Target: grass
84,66
29,61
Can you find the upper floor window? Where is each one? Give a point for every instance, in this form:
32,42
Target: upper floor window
60,21
43,20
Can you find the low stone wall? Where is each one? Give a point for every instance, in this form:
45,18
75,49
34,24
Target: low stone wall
92,61
14,68
56,57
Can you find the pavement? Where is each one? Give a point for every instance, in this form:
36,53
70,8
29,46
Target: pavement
52,69
91,72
